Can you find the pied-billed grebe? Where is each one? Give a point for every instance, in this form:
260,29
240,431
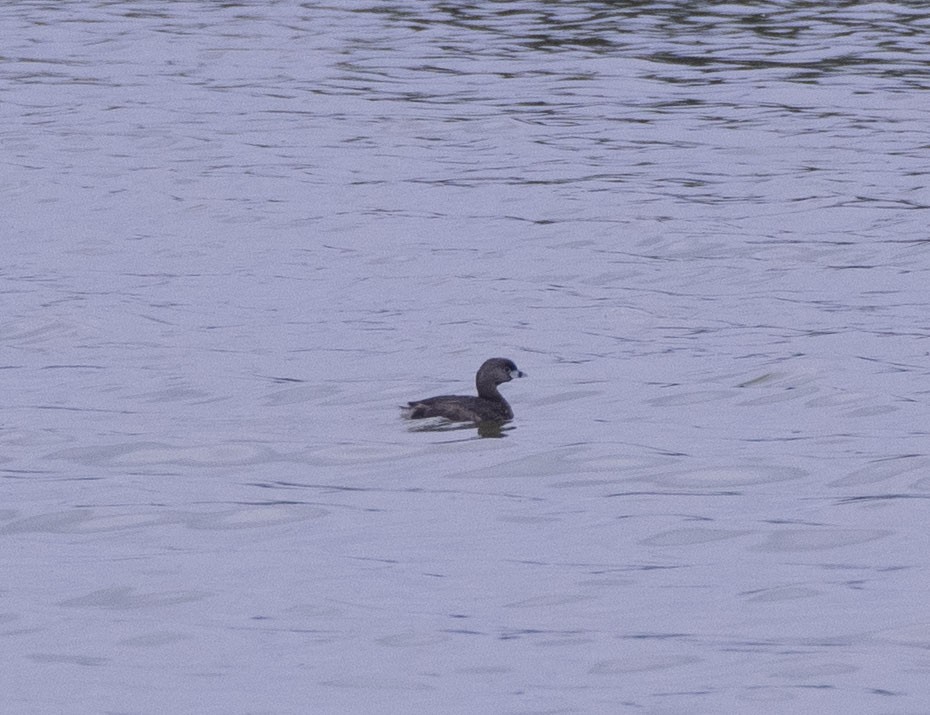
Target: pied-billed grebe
488,406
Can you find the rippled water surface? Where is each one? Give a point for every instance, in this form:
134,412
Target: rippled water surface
237,236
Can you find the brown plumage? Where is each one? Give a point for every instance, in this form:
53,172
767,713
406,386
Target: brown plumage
488,406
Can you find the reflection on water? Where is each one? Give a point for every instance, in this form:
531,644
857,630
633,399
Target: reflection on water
483,429
237,236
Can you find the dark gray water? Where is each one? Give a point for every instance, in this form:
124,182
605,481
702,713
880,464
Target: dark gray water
237,236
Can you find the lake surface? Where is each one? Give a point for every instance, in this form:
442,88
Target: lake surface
238,235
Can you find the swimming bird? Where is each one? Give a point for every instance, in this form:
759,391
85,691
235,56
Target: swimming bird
488,406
